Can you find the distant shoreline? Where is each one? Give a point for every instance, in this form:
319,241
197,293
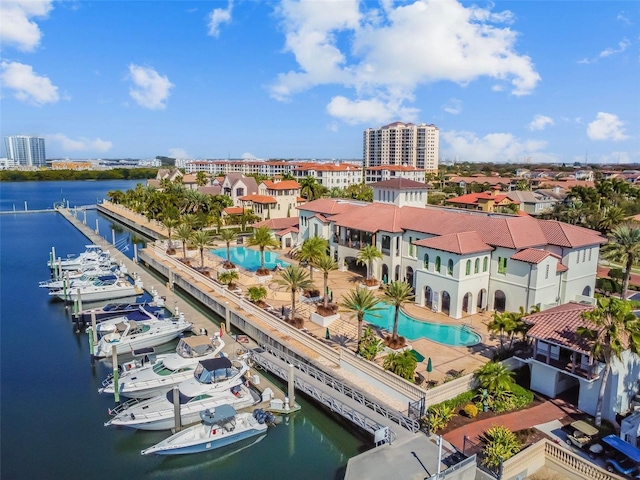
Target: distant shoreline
57,175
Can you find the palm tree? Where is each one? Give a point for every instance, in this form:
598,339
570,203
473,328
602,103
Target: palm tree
170,223
201,239
228,235
201,179
501,323
257,293
294,278
360,301
228,277
115,196
402,364
494,377
310,188
625,248
397,294
611,218
312,249
184,233
612,329
326,264
366,256
262,239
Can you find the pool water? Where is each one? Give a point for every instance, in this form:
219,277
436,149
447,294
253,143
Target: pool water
412,329
249,259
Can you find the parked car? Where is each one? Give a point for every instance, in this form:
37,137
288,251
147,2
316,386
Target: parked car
622,457
584,436
623,465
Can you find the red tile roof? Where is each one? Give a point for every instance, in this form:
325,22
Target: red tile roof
559,325
287,230
566,235
461,243
328,206
282,185
255,198
561,268
372,218
395,168
233,210
278,223
476,198
533,255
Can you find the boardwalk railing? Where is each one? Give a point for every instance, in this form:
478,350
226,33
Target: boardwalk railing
342,388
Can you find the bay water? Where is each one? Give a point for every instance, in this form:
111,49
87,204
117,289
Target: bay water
51,415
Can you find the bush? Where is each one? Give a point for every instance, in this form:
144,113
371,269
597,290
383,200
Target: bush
501,444
459,401
470,410
439,416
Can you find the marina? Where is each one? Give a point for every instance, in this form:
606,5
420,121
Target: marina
310,436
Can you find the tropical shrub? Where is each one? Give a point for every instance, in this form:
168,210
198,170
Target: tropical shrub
370,345
402,364
439,416
501,444
470,410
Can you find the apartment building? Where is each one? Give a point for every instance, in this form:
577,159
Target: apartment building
402,144
25,151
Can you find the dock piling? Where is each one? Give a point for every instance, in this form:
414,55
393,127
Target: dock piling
227,317
93,336
135,252
97,227
291,386
114,361
176,409
113,236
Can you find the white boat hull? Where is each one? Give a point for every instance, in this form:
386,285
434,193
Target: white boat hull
202,438
163,418
99,295
138,341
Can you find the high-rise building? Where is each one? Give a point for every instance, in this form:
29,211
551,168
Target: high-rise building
402,144
25,151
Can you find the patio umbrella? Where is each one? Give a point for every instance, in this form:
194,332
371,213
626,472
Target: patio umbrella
327,336
429,369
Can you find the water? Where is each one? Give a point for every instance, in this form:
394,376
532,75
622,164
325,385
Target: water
412,329
52,415
250,259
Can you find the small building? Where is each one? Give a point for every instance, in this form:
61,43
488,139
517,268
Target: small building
491,201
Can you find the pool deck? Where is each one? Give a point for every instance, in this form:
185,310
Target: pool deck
445,359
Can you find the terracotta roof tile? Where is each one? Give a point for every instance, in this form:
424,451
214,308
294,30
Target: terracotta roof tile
566,235
278,223
287,230
282,185
328,206
461,243
532,255
561,268
233,210
559,325
255,198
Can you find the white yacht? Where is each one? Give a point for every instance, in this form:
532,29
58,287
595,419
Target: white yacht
215,382
149,375
83,280
131,335
93,255
101,290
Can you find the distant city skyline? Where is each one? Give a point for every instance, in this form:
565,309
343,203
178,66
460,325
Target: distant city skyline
503,81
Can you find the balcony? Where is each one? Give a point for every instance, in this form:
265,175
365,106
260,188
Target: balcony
564,364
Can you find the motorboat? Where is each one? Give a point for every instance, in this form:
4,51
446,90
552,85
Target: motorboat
110,325
81,281
114,309
150,375
101,290
93,255
130,335
215,382
220,426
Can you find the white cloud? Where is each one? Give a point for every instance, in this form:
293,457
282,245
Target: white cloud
385,54
27,86
150,89
494,147
606,126
373,110
178,153
607,52
80,145
623,17
453,106
248,156
17,27
218,17
540,122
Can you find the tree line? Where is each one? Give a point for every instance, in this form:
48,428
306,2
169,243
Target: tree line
51,175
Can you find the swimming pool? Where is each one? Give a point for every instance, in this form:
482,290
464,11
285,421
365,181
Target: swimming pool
250,259
412,329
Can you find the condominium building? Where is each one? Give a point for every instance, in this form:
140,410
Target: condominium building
402,144
25,151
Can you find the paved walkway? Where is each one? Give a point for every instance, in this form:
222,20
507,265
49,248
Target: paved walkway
546,412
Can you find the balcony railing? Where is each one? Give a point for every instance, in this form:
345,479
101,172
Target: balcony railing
565,365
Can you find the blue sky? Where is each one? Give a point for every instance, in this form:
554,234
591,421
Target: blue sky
553,81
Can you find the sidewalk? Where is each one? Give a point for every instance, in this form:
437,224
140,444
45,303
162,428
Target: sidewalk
548,411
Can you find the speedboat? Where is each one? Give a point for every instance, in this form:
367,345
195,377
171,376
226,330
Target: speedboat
81,281
215,382
110,325
149,375
101,289
220,426
130,335
92,255
113,310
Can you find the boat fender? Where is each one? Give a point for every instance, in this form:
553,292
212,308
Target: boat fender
213,431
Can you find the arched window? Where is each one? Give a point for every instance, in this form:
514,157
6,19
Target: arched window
438,264
476,267
485,264
468,268
426,261
450,267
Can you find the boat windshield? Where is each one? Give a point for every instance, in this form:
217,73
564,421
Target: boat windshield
160,369
183,398
197,346
215,370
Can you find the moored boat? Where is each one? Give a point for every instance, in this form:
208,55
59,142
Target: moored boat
101,290
215,382
130,335
149,375
220,427
92,256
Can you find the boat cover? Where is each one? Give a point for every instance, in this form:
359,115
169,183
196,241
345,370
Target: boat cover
623,447
221,414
